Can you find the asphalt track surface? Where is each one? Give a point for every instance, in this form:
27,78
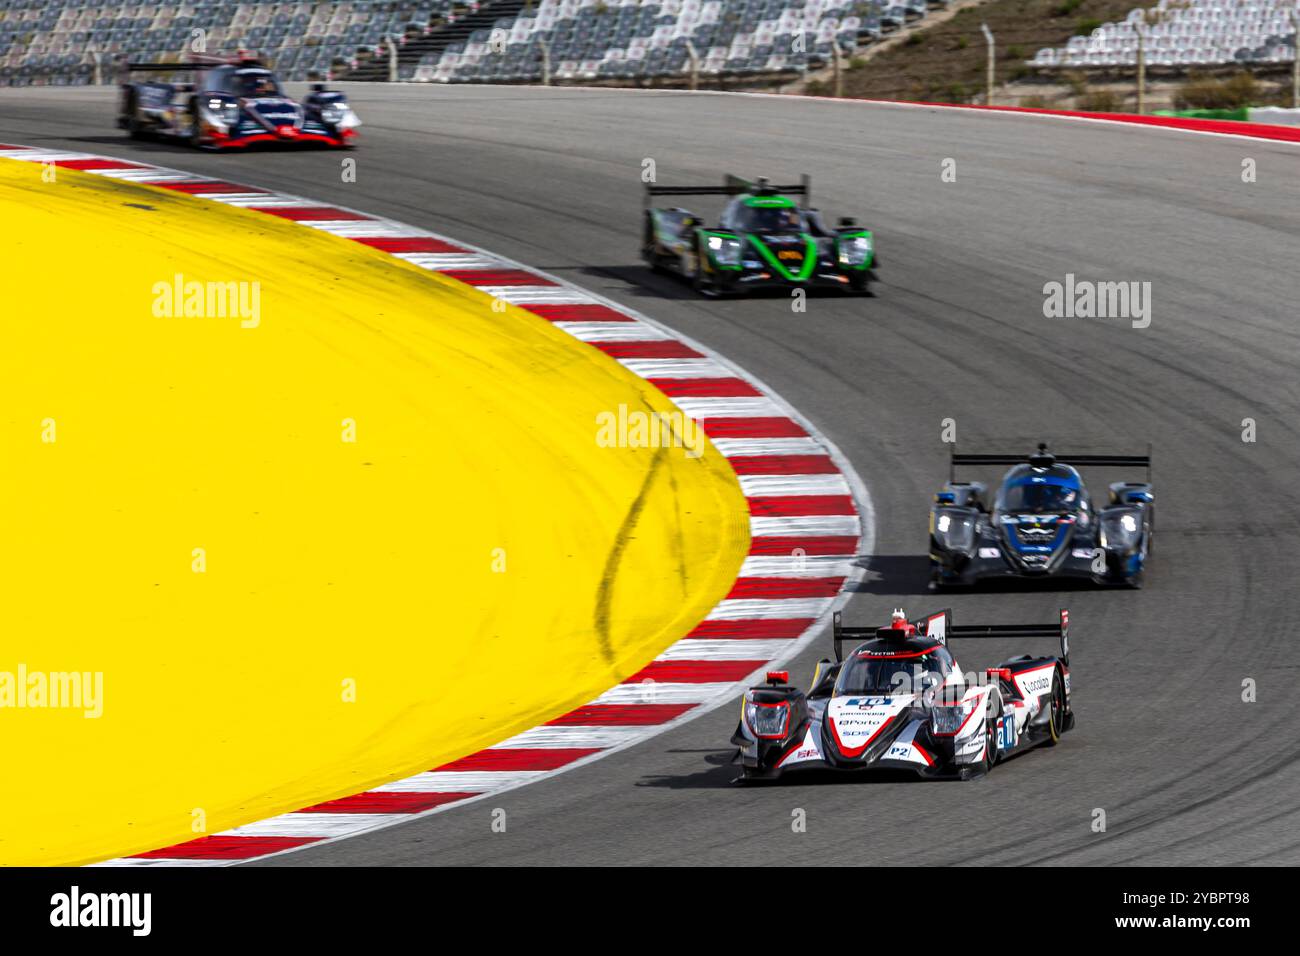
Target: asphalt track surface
1185,771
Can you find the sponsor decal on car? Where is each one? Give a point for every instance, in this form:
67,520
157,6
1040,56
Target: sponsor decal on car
1006,731
1036,685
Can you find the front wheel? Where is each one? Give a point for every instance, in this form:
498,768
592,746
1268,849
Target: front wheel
991,740
704,286
196,131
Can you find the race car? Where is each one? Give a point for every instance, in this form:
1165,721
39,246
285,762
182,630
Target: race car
216,103
899,701
1042,523
764,240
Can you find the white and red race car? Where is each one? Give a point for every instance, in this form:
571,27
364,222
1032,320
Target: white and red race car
899,701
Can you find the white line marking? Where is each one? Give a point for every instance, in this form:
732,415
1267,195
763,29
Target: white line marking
536,294
744,609
736,447
309,824
235,199
787,566
576,736
660,692
147,176
768,486
811,525
262,201
676,368
438,261
361,229
457,781
162,861
611,331
702,649
730,407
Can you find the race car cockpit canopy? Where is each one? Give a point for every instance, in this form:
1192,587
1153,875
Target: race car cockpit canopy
1057,490
764,215
889,666
247,82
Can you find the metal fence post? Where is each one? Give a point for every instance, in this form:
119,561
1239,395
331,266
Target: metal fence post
988,81
694,56
545,47
837,67
392,59
1141,69
1295,58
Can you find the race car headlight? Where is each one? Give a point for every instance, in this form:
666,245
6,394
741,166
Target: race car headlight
948,719
334,113
954,530
854,251
1120,532
725,252
221,110
767,721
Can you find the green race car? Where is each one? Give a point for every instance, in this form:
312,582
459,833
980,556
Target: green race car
765,239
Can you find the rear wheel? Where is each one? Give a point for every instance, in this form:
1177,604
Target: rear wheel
134,128
1056,717
650,247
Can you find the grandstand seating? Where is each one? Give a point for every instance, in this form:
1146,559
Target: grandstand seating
56,42
1186,33
445,41
626,39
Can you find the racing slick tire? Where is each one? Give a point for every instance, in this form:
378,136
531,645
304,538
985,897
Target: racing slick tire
650,248
986,765
860,283
699,283
134,128
196,131
1149,530
1056,720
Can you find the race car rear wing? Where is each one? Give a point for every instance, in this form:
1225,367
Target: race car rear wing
197,61
733,186
1046,459
939,626
856,635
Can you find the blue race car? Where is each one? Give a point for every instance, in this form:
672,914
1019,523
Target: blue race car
1042,523
224,103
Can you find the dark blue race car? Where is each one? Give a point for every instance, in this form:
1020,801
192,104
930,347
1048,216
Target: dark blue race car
1042,522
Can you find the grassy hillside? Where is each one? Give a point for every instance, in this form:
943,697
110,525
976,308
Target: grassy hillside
946,63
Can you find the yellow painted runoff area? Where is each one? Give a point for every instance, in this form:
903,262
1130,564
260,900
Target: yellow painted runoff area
280,615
